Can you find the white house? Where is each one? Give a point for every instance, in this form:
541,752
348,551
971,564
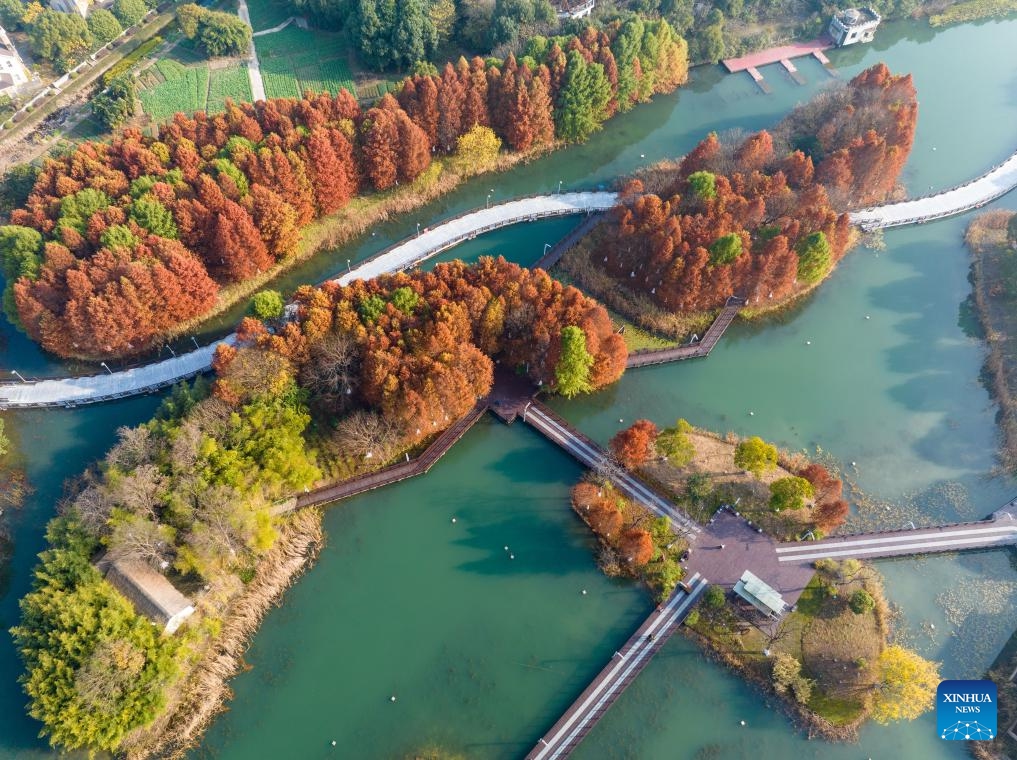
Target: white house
575,8
854,25
151,593
81,7
13,73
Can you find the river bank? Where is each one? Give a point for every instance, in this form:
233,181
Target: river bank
994,290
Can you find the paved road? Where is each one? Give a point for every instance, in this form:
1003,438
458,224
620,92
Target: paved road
590,454
625,665
995,183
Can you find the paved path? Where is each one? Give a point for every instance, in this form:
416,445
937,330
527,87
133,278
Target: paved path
997,531
403,255
560,432
274,29
995,183
253,66
627,663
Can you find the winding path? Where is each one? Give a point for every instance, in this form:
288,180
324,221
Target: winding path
429,242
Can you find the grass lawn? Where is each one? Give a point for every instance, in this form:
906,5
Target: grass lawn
266,14
296,60
231,82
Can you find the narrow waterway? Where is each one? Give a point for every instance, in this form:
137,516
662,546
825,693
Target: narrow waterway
483,651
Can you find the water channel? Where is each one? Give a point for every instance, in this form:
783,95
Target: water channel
483,651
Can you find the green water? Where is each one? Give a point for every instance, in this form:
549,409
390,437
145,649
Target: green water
483,652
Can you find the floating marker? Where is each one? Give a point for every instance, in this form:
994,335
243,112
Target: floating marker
512,556
620,420
506,548
867,316
584,592
752,414
392,698
333,742
453,520
808,343
742,722
854,464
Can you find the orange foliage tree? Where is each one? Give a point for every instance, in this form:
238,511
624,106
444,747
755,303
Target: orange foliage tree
634,446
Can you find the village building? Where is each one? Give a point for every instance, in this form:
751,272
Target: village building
13,73
575,8
150,592
81,7
854,25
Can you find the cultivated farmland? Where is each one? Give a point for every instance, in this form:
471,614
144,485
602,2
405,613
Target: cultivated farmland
231,82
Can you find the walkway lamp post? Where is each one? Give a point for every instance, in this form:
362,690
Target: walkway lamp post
559,185
106,367
195,342
348,267
418,229
170,349
487,204
546,246
18,375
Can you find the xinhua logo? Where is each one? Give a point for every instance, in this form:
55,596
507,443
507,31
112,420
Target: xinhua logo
966,710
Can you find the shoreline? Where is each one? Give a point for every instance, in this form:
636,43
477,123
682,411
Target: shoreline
205,690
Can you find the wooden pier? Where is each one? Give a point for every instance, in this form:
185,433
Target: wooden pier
627,663
792,71
693,351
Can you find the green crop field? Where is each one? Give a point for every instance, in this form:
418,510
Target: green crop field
186,91
295,60
266,14
228,83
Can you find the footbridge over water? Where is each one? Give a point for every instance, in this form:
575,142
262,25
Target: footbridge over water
108,386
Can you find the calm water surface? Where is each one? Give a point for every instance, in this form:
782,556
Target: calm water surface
482,651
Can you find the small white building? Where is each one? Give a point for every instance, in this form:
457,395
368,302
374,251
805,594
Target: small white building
150,592
854,25
575,8
81,7
13,73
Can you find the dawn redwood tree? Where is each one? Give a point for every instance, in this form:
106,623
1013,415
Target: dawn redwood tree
635,546
572,372
381,148
635,445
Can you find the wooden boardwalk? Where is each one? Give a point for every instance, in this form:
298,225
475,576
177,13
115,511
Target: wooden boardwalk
627,663
554,255
775,55
396,472
693,351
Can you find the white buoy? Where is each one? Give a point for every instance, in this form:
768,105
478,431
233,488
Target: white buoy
453,520
506,548
620,420
642,155
333,742
512,556
867,316
584,592
752,414
854,464
742,722
392,698
932,626
808,343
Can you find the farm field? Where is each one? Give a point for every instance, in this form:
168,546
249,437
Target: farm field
294,60
231,82
266,14
182,88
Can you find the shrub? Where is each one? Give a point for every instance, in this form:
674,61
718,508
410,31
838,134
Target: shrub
861,601
755,455
267,304
789,493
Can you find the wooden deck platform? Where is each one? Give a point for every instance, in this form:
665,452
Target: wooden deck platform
774,55
792,71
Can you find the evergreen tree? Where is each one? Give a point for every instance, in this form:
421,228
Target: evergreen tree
583,100
572,373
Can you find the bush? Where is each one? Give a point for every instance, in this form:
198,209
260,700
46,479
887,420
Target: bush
861,601
789,493
674,444
267,304
755,455
714,597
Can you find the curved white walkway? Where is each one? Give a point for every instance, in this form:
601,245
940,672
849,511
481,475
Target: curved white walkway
107,386
995,183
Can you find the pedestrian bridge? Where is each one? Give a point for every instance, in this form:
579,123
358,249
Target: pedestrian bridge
107,386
